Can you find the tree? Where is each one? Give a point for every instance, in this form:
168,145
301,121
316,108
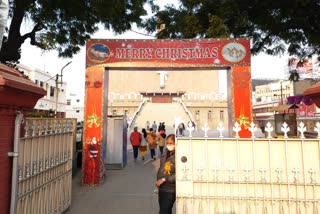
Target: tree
274,26
294,76
64,25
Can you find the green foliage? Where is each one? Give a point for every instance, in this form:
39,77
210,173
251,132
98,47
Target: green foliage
275,27
65,25
46,114
294,76
14,66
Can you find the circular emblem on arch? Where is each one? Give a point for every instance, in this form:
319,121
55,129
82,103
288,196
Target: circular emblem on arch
234,52
98,52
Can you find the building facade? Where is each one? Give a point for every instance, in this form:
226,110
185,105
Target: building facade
48,82
274,91
197,91
75,107
268,96
282,88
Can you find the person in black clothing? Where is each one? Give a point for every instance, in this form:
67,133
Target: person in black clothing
193,124
163,127
166,178
160,127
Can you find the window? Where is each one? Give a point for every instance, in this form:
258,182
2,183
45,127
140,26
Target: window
51,91
36,82
78,111
41,84
78,100
197,115
221,116
68,102
209,115
126,112
114,112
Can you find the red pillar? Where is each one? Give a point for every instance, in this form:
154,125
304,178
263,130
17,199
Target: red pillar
95,120
241,98
17,93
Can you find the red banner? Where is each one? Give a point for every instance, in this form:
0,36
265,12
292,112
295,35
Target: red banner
302,110
311,110
241,98
306,110
305,70
202,51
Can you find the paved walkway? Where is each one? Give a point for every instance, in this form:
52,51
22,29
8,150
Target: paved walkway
129,190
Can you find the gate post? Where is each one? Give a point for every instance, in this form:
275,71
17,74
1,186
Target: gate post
242,98
17,93
95,126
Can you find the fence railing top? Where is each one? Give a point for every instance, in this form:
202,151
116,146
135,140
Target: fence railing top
47,126
204,132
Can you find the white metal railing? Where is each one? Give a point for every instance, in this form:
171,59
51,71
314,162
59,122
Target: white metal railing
253,175
131,95
188,112
196,96
45,166
134,117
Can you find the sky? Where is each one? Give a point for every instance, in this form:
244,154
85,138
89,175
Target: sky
262,65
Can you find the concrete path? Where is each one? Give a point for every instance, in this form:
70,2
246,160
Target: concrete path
129,190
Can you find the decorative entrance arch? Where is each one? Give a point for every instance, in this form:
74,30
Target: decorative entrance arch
161,55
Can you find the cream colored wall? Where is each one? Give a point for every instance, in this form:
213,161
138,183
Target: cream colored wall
198,81
121,110
203,106
190,81
121,105
215,109
242,176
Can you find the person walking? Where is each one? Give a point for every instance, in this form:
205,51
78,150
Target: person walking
160,127
161,140
135,139
143,145
194,125
183,128
180,129
152,143
166,178
154,126
163,127
148,125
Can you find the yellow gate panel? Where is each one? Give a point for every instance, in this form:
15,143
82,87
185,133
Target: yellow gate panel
217,175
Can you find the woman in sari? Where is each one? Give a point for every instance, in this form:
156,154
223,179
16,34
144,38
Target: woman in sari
143,145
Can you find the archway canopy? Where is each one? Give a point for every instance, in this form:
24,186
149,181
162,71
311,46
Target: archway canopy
104,55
